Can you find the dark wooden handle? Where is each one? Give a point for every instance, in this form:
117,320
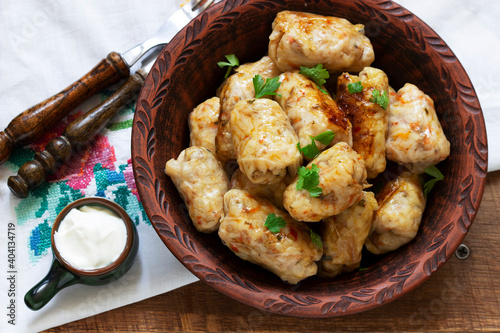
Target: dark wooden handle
58,150
34,122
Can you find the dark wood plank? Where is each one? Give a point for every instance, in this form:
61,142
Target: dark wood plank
464,295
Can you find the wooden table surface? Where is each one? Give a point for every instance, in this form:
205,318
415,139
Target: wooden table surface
463,295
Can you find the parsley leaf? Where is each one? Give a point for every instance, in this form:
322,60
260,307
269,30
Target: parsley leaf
316,239
232,61
433,172
311,150
360,269
355,87
274,223
325,137
315,192
265,87
380,99
309,180
317,73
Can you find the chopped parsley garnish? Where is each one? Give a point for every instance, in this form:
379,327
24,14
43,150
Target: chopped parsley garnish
274,223
325,137
355,87
311,150
433,172
265,87
360,269
317,73
380,99
309,180
231,62
316,239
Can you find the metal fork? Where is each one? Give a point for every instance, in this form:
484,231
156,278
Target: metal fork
167,31
34,122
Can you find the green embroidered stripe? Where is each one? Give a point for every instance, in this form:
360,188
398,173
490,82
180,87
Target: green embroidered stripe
120,125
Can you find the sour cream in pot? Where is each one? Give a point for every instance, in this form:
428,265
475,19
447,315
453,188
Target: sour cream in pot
90,237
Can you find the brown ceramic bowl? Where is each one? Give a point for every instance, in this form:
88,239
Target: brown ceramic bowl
103,274
186,73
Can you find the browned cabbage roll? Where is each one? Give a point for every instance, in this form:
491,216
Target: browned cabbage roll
290,253
264,141
238,87
342,177
392,95
311,111
368,119
203,122
396,222
304,39
416,138
202,183
344,236
273,192
265,67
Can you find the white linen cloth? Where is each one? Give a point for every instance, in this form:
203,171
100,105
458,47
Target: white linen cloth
47,45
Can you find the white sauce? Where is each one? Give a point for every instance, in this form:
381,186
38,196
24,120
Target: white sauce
91,237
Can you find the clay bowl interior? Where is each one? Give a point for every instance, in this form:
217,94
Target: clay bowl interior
186,74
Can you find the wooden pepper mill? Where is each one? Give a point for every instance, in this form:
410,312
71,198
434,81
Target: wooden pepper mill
58,150
34,122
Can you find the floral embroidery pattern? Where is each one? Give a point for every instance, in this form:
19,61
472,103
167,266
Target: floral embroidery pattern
92,171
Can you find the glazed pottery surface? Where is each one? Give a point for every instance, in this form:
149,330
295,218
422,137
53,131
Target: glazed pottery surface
186,74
